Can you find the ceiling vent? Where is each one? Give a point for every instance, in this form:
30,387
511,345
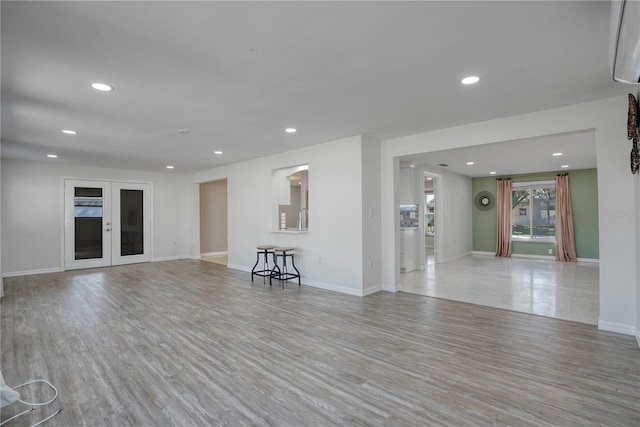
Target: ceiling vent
444,165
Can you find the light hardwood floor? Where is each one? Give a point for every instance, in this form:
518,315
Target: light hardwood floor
190,343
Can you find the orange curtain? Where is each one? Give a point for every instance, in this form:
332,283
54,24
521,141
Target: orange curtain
503,234
565,239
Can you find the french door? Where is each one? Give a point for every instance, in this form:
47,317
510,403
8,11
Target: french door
106,223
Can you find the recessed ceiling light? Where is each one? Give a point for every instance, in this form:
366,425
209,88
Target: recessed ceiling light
184,131
290,130
412,166
69,132
470,163
470,80
52,156
564,166
429,179
102,87
557,154
217,152
169,167
299,182
444,165
492,173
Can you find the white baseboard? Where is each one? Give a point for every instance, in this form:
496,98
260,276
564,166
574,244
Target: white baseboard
239,267
371,290
169,258
591,260
30,272
457,257
214,253
334,288
546,257
322,285
619,328
389,288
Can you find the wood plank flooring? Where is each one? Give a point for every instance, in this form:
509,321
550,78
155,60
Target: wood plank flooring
190,343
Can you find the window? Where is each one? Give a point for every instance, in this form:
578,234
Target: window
291,198
533,215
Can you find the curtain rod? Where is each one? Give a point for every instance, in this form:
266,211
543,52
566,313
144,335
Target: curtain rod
563,174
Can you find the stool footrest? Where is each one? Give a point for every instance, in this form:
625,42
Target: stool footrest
284,276
263,273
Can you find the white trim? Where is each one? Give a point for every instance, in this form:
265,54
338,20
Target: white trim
239,267
322,285
483,253
169,258
546,257
371,290
455,257
638,339
31,272
532,184
334,288
214,253
619,328
527,239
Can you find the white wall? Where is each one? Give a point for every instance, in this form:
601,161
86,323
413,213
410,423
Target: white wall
454,232
371,216
618,195
1,276
330,254
637,214
213,216
32,212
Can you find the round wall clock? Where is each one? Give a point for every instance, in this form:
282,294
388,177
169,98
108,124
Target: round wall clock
484,200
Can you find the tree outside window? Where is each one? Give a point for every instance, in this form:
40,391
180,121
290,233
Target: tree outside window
534,212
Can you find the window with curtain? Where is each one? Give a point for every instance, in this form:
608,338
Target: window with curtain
533,214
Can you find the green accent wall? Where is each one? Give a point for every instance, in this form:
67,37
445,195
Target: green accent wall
583,185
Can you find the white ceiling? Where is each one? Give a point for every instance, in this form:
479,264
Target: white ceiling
530,155
237,73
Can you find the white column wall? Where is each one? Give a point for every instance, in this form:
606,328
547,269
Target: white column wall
371,218
33,212
618,226
455,236
329,256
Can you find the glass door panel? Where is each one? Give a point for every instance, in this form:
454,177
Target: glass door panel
87,219
87,213
131,222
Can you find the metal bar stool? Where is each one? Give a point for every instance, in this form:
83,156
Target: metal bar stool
265,250
283,274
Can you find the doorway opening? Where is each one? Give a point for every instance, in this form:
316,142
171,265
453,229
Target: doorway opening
106,223
430,182
213,222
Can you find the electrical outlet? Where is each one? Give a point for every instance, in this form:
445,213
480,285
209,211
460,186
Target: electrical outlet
550,251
